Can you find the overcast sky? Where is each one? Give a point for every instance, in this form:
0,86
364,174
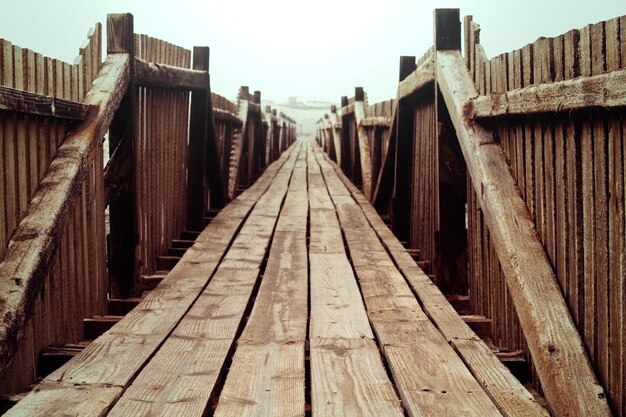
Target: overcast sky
312,49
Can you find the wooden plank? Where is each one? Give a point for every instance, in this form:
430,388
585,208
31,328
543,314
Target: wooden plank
572,388
496,379
27,102
164,76
56,399
604,91
269,380
348,379
337,310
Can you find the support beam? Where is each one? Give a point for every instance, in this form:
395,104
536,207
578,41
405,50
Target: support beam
604,91
40,105
562,365
123,264
365,155
163,76
198,137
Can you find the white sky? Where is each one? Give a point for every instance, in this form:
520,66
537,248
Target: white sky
312,49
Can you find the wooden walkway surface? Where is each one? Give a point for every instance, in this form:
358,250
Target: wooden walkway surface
295,300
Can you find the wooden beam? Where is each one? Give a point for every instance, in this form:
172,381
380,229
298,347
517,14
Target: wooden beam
558,354
198,137
41,105
384,183
29,251
365,154
347,109
149,74
376,121
228,117
604,91
418,79
123,253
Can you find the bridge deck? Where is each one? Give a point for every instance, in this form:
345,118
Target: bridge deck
295,294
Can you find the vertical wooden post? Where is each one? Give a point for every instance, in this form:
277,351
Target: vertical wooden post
346,152
403,178
451,239
124,261
198,137
217,181
259,145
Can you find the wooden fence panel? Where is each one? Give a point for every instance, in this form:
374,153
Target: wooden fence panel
75,285
161,152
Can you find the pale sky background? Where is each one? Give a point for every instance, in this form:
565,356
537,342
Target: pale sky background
312,49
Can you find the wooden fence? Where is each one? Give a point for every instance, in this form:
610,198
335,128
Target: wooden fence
170,163
507,177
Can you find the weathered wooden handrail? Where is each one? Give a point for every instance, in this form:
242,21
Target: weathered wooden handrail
31,246
603,91
563,367
150,74
41,105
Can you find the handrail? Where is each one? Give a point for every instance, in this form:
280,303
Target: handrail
33,243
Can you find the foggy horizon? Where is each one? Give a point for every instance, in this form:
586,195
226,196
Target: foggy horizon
318,51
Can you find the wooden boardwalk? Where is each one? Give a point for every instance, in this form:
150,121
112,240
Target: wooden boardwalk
295,300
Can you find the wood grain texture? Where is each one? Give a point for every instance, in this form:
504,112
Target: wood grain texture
163,76
60,399
35,239
522,257
603,91
348,379
20,101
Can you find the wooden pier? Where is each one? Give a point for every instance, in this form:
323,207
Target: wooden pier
456,251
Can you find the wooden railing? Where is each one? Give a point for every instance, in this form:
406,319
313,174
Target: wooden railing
506,176
170,144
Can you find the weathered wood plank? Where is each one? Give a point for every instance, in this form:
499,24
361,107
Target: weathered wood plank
570,388
603,91
163,76
26,102
62,399
349,379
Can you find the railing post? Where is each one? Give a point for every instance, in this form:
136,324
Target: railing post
403,178
450,264
124,238
198,137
